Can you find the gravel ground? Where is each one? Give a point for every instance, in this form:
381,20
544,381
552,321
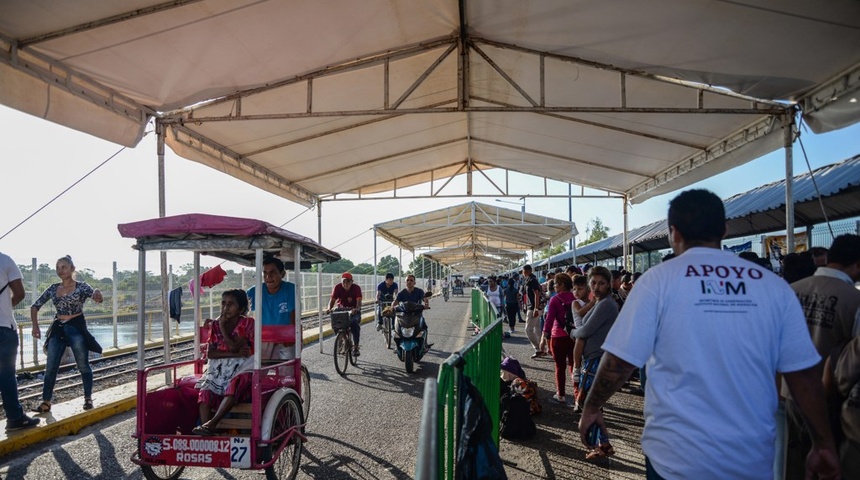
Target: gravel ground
556,451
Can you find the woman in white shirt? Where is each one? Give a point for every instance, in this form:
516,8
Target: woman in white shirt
494,294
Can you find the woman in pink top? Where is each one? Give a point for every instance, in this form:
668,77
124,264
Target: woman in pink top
554,333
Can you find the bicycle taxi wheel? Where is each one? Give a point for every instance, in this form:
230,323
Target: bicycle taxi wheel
279,418
162,472
306,393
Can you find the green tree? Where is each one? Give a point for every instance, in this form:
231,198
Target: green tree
388,264
363,269
594,231
420,267
340,266
550,251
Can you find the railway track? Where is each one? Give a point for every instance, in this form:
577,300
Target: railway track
114,370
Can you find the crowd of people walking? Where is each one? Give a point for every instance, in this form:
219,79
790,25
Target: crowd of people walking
750,374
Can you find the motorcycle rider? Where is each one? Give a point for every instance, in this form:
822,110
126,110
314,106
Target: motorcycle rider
415,295
384,291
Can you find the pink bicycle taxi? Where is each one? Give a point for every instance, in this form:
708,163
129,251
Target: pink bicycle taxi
265,434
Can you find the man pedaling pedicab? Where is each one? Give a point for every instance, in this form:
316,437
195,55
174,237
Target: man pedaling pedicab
415,295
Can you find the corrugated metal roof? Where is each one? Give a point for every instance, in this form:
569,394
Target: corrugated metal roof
759,210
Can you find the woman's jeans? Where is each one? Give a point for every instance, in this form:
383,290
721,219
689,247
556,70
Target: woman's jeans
8,381
56,347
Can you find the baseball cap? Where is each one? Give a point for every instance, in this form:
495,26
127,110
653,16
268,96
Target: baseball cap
346,275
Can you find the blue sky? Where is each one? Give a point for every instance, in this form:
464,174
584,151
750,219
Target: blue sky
41,159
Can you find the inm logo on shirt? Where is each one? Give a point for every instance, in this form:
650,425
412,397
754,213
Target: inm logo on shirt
719,287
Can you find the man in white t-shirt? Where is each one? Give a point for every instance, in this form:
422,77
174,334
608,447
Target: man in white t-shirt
713,331
11,294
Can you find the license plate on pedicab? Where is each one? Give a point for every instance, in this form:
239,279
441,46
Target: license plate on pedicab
222,452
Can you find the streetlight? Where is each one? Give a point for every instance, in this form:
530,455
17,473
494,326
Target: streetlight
522,207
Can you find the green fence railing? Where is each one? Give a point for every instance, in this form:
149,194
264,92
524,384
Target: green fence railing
478,360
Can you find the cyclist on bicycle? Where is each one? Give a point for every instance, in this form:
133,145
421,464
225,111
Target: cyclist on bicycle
385,293
347,295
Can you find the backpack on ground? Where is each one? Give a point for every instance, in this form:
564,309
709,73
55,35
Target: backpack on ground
516,418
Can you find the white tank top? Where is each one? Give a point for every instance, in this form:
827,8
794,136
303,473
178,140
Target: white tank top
495,297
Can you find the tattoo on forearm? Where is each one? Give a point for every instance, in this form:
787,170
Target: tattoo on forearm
610,377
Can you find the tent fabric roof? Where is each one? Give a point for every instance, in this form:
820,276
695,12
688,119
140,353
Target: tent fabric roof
230,238
474,237
759,210
310,100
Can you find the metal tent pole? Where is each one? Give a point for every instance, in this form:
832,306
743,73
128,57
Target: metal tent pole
788,124
319,277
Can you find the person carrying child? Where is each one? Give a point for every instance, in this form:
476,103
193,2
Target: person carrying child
582,304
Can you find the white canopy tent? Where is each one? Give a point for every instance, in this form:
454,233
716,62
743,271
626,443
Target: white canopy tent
321,101
475,238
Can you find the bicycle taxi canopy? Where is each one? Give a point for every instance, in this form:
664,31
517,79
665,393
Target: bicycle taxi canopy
245,241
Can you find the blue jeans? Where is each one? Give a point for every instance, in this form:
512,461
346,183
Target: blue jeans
354,326
56,347
650,473
8,382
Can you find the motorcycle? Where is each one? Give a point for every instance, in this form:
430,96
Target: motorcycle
409,335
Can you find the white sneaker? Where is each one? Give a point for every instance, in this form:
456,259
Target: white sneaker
378,327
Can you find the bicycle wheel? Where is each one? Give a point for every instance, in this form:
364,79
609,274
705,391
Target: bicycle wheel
342,352
306,392
161,472
288,414
386,331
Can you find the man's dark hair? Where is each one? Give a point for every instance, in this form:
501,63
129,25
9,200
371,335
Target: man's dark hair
749,255
797,266
699,215
527,268
845,250
389,275
616,274
277,262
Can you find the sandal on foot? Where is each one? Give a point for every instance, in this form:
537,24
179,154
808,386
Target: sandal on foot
203,431
600,452
44,407
88,404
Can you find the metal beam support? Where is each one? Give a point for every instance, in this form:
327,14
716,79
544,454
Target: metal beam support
788,127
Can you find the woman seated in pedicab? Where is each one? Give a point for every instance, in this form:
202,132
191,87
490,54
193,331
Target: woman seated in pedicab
227,379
